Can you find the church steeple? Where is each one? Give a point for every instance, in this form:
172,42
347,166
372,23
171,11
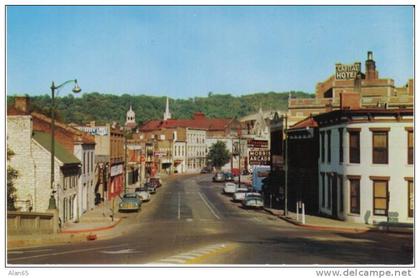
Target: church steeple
130,120
167,114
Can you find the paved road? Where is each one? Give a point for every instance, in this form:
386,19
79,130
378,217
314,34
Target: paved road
190,221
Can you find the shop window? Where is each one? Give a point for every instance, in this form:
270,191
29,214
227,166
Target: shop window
322,146
354,195
410,198
330,177
380,197
340,150
380,147
323,189
340,187
354,146
329,146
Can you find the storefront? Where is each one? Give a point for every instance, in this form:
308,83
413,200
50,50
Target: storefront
116,182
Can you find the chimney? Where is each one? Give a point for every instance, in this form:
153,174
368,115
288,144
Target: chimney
350,100
22,104
371,72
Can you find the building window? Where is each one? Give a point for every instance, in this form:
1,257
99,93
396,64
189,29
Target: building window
330,177
340,187
91,161
354,146
323,189
84,162
380,197
354,195
410,197
340,150
410,146
379,145
329,146
322,147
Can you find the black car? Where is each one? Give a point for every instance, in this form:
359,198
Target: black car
151,187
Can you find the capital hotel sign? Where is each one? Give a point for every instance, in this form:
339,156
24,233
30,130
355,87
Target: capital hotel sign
346,72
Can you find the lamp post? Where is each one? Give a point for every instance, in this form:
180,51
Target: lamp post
52,203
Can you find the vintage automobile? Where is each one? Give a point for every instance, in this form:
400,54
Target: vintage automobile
253,200
130,202
240,193
219,177
205,170
143,193
230,188
156,181
228,176
150,187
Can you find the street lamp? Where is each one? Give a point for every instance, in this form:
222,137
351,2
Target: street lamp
76,89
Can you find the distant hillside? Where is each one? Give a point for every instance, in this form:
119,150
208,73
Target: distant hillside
104,108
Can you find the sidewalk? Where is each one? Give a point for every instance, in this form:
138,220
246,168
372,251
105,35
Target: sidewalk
96,224
328,224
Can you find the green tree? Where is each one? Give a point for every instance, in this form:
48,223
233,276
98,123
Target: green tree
218,154
12,174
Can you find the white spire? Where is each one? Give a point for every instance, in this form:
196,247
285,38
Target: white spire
167,114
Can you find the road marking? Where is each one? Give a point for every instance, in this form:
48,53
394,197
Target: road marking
123,251
27,251
179,206
208,205
66,252
196,255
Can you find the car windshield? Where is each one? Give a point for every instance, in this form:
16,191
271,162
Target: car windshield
130,195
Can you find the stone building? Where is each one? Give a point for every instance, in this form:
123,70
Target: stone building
32,160
75,142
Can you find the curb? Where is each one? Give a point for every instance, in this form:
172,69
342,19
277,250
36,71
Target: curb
329,228
92,229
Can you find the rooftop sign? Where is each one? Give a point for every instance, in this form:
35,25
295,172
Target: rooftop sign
346,72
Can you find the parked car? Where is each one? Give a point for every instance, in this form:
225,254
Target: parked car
219,177
253,200
130,202
156,181
240,193
150,187
228,177
143,193
205,170
229,188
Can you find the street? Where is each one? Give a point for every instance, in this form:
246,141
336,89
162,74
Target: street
189,221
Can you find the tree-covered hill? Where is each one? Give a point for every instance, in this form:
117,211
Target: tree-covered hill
104,108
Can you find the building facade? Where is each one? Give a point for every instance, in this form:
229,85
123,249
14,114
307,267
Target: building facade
109,158
32,160
366,169
196,149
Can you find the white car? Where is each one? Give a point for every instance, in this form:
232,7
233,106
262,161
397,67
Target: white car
253,200
143,194
230,188
240,193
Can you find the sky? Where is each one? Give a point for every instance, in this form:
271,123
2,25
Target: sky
187,51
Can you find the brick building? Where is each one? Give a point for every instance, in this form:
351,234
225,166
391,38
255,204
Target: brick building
369,89
109,140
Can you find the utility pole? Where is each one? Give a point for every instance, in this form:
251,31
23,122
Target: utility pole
125,162
285,167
